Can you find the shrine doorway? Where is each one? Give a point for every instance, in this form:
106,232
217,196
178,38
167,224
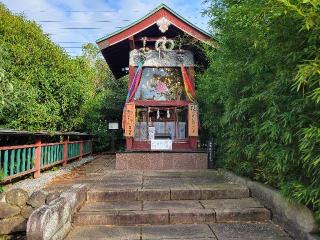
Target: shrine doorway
161,123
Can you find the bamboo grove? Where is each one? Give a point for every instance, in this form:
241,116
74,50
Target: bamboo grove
262,93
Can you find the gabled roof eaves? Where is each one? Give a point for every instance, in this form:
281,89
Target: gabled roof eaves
148,15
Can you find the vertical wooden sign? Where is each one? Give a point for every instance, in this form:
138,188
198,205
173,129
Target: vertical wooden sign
130,120
193,120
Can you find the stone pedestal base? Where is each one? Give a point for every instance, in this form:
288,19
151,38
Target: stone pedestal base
161,160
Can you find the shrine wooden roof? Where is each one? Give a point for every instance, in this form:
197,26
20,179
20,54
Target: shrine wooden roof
115,47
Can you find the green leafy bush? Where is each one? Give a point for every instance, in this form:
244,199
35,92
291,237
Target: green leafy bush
43,88
262,93
52,88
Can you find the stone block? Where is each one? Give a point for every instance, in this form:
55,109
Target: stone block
130,218
297,219
121,164
171,205
26,211
183,163
185,194
242,215
62,232
202,162
17,197
37,199
191,216
45,222
141,163
156,163
153,217
126,218
105,232
224,191
75,196
161,161
183,231
95,218
241,203
113,195
154,194
12,225
226,231
7,210
111,206
52,196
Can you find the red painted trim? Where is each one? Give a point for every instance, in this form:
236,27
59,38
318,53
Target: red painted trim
129,142
131,75
17,147
161,103
149,21
177,145
51,165
37,160
51,144
7,179
193,142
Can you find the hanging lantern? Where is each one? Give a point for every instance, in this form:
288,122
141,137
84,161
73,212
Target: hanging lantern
168,113
158,114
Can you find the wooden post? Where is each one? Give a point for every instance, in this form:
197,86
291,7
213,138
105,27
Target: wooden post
37,159
65,151
81,149
129,143
91,146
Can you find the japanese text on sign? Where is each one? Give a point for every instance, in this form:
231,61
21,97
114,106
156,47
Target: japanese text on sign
130,120
193,120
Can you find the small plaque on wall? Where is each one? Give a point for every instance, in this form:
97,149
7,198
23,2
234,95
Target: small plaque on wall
161,144
113,125
193,120
130,120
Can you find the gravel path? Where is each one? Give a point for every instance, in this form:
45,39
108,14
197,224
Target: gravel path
30,185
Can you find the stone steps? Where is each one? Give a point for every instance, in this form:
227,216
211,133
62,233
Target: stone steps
171,205
219,191
170,212
239,231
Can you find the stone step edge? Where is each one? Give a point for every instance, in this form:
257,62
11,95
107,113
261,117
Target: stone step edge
167,194
163,217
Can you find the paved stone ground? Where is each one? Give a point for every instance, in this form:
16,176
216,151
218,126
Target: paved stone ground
98,166
161,204
31,185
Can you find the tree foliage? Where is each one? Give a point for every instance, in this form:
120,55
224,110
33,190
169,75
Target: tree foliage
43,88
261,93
109,101
51,87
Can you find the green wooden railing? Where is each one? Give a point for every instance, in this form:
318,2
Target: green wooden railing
16,161
51,154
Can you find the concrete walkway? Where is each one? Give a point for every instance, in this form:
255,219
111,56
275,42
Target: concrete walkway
164,205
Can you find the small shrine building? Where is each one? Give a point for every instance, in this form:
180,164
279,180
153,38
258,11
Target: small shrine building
161,112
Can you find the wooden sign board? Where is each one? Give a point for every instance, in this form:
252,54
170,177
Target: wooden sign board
193,120
129,120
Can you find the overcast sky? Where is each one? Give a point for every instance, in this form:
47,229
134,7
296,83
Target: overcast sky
72,23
